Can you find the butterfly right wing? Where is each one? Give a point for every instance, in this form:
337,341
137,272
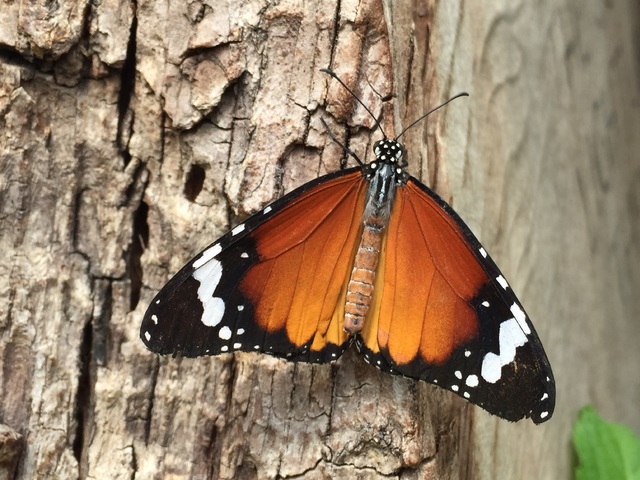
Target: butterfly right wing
275,283
444,313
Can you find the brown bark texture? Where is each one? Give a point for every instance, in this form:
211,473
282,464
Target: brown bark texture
135,132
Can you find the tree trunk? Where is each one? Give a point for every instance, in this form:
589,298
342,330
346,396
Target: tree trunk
136,133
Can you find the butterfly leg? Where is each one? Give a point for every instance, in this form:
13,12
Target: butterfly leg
344,147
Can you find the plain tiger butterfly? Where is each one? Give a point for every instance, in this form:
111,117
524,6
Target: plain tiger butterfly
370,256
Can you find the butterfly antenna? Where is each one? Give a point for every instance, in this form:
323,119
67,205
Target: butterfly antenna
462,94
333,74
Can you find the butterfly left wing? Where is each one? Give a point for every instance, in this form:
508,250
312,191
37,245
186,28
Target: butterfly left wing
275,283
443,312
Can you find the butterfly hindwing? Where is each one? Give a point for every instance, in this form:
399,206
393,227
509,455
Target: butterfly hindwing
469,333
273,284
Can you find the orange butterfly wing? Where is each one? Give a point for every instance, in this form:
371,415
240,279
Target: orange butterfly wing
275,283
442,312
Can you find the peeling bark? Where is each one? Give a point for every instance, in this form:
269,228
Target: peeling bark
136,132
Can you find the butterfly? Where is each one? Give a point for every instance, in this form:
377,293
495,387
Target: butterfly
366,256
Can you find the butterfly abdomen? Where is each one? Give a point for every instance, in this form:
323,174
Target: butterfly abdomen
363,275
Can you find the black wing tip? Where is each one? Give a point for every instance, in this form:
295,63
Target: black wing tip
541,413
547,404
513,401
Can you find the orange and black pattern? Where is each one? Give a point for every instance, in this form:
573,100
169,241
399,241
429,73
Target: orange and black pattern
440,309
369,256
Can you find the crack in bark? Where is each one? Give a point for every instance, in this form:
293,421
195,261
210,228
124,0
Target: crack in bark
336,30
212,453
83,400
127,89
100,332
139,242
150,400
75,226
410,60
134,461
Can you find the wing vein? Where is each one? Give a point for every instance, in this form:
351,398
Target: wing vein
321,222
426,241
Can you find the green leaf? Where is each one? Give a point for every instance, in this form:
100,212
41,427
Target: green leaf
606,451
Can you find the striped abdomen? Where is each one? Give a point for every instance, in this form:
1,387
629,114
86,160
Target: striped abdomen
360,289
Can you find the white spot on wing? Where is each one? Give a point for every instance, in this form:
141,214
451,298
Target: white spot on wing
544,396
209,276
458,374
225,333
466,394
240,308
544,414
502,281
147,335
483,252
467,353
472,381
485,304
207,255
520,317
224,348
238,229
237,345
240,331
455,388
266,210
244,255
510,338
155,319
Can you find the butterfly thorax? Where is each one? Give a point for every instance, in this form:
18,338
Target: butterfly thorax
384,175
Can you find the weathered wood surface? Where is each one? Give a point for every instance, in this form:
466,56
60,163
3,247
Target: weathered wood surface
135,133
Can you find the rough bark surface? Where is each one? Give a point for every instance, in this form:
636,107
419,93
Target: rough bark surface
136,132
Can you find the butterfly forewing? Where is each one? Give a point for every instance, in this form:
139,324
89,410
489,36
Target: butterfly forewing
469,333
275,283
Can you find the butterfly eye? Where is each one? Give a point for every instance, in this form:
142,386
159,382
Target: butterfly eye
377,148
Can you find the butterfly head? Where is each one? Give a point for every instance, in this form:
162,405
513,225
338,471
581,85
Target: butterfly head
388,151
389,158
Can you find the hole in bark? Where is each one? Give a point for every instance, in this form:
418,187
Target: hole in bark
195,181
138,245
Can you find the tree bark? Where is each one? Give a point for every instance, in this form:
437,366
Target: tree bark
136,133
